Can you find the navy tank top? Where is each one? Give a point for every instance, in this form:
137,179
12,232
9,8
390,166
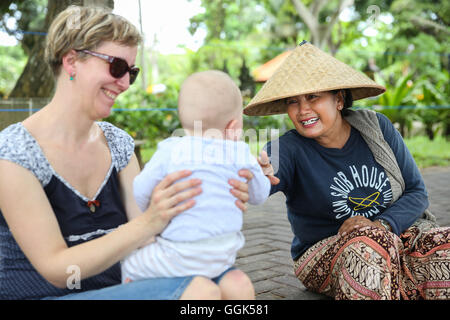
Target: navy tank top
80,219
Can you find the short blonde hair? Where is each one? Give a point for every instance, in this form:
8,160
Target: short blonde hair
86,28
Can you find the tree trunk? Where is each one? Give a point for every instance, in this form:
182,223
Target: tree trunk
36,79
247,85
447,130
320,32
429,131
402,129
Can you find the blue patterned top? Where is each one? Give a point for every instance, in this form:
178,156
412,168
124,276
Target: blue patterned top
78,221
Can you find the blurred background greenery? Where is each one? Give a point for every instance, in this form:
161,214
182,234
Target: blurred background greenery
402,44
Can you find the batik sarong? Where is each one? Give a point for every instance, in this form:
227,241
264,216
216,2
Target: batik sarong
371,263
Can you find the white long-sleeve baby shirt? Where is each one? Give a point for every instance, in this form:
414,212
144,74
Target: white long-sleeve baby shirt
214,161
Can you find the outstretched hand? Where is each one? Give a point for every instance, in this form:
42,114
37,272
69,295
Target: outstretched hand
267,168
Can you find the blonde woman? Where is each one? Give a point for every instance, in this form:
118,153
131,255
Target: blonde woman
68,215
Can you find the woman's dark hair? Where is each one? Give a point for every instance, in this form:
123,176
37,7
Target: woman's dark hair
347,95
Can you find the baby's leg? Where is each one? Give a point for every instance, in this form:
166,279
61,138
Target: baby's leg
236,285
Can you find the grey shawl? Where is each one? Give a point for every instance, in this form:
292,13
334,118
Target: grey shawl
366,122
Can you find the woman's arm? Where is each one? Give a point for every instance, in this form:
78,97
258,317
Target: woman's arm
414,200
34,226
126,178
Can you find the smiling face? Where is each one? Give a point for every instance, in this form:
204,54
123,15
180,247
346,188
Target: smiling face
317,116
97,88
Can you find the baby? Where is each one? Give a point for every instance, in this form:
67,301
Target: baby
205,239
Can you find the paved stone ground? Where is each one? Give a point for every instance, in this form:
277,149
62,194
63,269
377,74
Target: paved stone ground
266,254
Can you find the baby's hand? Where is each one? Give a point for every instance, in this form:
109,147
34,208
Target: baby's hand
267,168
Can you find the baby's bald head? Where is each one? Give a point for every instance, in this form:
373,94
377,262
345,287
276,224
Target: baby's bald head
211,97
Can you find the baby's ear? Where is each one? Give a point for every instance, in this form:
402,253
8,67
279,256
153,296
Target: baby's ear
233,130
231,125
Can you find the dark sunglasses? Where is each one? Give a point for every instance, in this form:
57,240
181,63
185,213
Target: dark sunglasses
117,66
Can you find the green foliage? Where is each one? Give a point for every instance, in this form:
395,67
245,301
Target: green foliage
396,96
283,25
416,17
29,15
12,62
409,55
220,55
428,95
150,126
428,152
228,19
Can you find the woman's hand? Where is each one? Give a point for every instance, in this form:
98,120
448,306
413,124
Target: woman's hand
356,222
240,189
267,168
167,198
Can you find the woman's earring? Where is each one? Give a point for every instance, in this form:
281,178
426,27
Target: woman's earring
72,76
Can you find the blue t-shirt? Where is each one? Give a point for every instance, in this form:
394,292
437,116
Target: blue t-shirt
78,224
326,186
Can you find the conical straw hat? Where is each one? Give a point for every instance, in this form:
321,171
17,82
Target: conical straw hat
307,70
